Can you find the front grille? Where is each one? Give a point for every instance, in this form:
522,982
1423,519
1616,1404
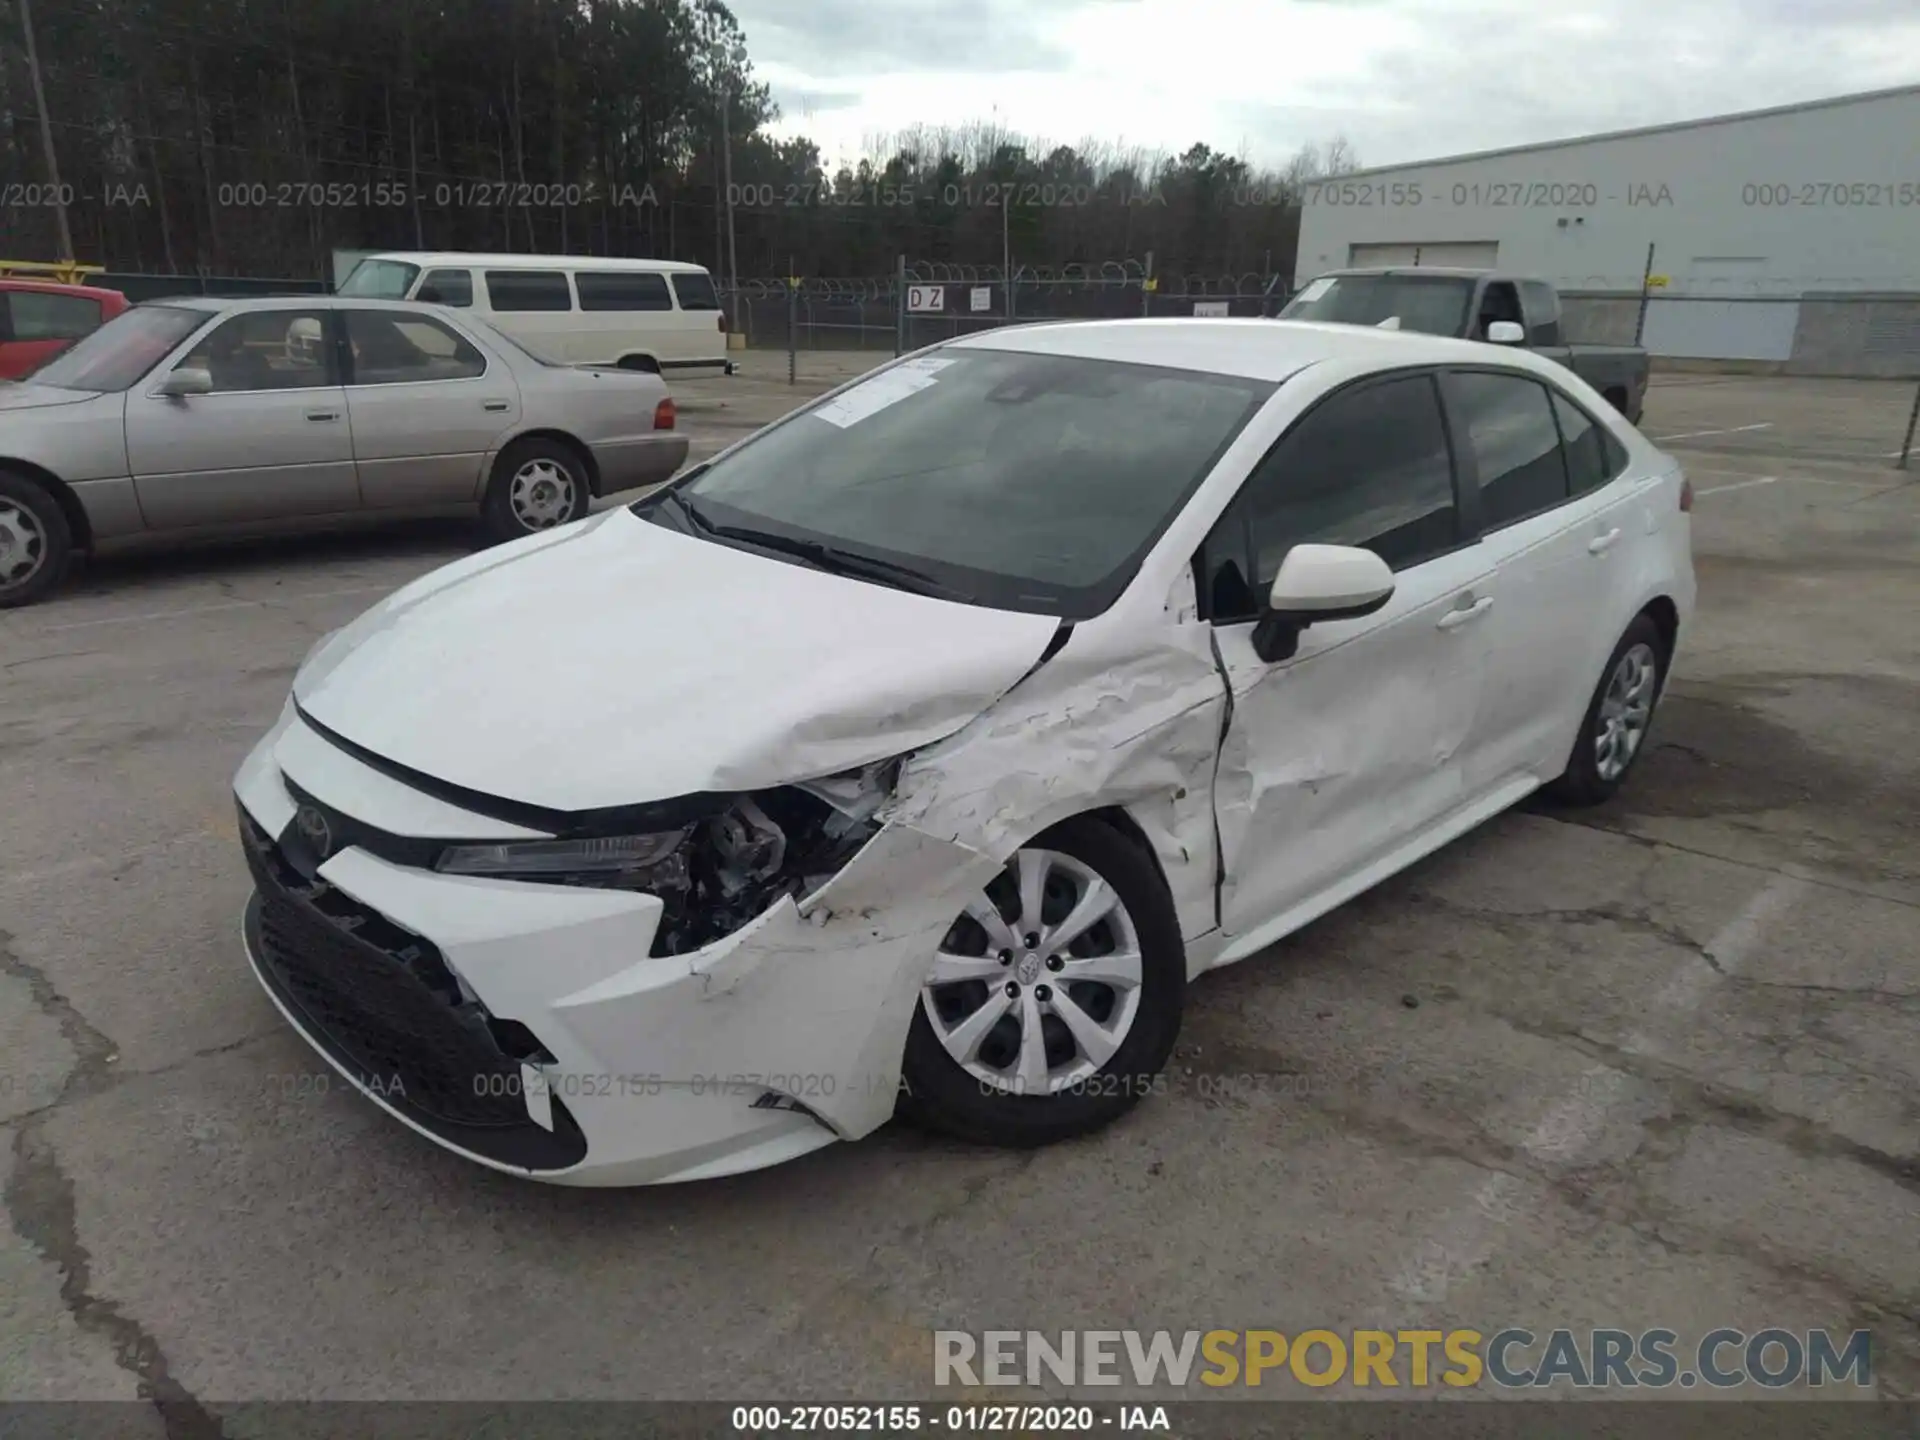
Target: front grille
382,1002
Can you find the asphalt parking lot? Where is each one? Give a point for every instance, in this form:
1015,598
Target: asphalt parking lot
1652,1065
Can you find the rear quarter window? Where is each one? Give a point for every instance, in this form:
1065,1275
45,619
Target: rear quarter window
696,292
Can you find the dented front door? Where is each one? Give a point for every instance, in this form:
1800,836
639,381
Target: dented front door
1346,752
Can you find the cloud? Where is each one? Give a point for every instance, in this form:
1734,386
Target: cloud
1401,79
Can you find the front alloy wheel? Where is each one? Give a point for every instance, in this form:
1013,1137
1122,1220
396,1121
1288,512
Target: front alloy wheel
1054,998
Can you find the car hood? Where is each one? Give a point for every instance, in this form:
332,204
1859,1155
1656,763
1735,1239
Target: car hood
25,395
617,662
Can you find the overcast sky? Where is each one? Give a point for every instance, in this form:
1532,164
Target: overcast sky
1402,79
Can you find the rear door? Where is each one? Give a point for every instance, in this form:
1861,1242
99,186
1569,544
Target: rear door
705,322
271,442
1348,750
1547,490
36,325
624,314
427,406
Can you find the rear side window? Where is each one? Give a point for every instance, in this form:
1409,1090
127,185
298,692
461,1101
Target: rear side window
617,290
696,292
1593,456
447,287
510,290
39,315
1368,467
1509,423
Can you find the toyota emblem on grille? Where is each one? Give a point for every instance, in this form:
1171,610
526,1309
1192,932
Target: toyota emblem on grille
313,825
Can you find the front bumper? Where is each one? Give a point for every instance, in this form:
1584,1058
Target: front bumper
617,1067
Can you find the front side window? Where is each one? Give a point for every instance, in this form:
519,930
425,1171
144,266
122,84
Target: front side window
1368,467
266,350
113,357
44,315
510,290
392,348
1021,481
380,280
622,290
696,292
1543,312
447,287
1509,423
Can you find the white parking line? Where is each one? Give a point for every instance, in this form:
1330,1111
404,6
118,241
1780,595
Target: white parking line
1697,434
1741,485
1466,1239
148,616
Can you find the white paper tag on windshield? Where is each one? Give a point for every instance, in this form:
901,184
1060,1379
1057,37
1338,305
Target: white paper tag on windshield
1316,289
889,387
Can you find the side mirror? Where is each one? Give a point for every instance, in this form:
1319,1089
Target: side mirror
1318,583
1506,332
186,381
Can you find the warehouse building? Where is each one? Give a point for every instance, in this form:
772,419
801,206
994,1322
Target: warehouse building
1788,238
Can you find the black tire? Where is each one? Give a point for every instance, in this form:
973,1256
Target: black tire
36,545
1582,782
940,1094
503,518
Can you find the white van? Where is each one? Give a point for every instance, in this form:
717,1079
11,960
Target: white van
659,315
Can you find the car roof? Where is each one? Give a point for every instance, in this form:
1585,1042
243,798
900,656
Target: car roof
1249,348
1442,272
289,300
59,287
428,259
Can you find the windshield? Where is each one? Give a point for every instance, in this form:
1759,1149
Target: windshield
1025,482
122,350
1432,304
500,337
380,280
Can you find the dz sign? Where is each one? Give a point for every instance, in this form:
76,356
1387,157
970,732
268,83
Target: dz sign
926,299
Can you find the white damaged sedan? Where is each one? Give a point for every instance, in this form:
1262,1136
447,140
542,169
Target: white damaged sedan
917,751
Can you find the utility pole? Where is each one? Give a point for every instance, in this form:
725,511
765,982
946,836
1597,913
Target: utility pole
1006,247
733,254
46,134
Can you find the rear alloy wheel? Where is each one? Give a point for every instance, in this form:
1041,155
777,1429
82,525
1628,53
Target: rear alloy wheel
537,485
1054,998
1617,719
35,544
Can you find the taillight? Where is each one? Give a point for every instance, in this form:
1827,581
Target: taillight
723,322
663,414
1686,495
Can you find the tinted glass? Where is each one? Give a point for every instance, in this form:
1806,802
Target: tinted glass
447,287
528,290
380,280
1593,456
1026,482
1433,305
613,290
696,292
1509,424
1368,467
1543,312
122,350
41,315
391,348
265,350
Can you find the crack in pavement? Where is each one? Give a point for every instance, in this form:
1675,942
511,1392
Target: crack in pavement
39,1204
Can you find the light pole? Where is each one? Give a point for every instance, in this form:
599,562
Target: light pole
46,134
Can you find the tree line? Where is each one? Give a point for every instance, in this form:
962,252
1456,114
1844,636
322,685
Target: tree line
255,137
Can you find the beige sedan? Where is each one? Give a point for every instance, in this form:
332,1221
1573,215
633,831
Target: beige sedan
199,418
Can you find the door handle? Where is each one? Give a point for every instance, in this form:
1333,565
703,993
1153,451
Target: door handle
494,405
1454,619
323,414
1600,544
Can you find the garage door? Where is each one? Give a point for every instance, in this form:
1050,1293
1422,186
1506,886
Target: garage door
1464,254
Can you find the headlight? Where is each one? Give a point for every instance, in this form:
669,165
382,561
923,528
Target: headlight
608,854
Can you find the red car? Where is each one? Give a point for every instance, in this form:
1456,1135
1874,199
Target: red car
39,319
